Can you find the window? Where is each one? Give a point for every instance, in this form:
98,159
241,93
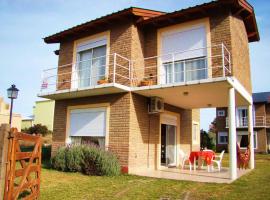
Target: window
184,55
243,141
222,137
91,63
88,126
221,113
242,117
195,132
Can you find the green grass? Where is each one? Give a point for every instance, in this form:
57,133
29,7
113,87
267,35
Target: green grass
61,185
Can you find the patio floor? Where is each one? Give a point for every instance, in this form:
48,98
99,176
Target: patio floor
198,176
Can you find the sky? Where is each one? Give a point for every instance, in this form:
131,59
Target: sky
23,53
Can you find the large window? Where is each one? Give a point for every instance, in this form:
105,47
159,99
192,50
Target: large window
243,139
88,126
222,137
91,63
184,55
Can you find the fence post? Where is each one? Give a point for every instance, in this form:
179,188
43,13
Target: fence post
4,133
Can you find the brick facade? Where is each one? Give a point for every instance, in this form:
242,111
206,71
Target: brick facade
133,133
260,110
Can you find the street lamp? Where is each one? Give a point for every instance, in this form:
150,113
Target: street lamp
12,93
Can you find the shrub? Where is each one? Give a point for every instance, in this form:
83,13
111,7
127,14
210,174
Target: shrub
59,160
38,129
74,158
87,159
100,162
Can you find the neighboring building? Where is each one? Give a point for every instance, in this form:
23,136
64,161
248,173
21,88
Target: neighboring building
261,124
27,122
4,115
115,72
43,112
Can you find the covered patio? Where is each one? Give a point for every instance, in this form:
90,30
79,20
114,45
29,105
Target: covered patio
215,92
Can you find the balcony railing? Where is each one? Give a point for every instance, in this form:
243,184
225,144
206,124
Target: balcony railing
177,67
258,121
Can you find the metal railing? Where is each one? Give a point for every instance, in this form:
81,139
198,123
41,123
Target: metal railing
112,68
258,121
182,66
176,67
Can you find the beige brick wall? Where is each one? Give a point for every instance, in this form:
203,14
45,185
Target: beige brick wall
118,124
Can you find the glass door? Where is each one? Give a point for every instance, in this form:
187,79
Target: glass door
168,145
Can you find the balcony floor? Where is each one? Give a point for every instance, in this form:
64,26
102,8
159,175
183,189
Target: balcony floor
108,88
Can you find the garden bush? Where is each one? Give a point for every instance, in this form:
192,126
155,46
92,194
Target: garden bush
89,160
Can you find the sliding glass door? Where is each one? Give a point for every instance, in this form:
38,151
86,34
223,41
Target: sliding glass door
91,66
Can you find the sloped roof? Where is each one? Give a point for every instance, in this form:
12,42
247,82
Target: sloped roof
132,11
146,17
239,7
261,97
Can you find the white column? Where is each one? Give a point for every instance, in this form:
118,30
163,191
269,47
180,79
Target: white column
251,136
232,135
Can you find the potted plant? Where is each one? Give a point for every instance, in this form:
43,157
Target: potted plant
103,80
147,81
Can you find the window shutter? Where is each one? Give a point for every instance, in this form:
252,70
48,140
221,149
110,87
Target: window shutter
88,122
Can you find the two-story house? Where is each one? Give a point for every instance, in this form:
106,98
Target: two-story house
261,124
133,81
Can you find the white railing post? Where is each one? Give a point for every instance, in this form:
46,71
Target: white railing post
114,66
172,68
184,70
223,62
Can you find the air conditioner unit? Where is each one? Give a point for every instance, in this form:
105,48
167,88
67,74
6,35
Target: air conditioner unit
156,105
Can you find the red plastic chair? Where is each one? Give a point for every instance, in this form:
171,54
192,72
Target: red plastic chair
243,158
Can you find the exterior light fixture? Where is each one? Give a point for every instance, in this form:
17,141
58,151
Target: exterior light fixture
12,93
185,93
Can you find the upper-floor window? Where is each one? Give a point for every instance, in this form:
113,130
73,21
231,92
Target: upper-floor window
184,55
242,116
91,63
221,113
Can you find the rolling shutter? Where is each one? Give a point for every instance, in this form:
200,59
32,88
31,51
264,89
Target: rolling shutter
183,41
88,122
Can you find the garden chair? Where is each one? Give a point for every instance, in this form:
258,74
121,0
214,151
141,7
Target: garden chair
183,159
243,158
218,159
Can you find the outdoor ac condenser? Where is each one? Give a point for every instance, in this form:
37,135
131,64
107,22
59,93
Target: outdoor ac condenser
156,105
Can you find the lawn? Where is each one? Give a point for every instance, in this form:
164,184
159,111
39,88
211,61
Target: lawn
60,185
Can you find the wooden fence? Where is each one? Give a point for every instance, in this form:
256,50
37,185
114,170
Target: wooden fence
23,168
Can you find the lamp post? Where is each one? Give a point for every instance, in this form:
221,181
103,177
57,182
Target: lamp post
12,93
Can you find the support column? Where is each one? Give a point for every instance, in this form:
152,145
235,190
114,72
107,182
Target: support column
251,137
232,134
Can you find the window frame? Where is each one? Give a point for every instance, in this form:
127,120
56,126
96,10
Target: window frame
84,41
89,106
220,134
255,133
221,111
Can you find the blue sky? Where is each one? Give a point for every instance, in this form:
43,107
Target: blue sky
25,22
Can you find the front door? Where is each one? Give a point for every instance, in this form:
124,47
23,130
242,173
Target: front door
168,145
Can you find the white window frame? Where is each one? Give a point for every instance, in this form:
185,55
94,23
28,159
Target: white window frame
90,106
223,134
221,113
195,133
93,42
246,133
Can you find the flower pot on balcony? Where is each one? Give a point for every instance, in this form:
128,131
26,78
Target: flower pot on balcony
146,83
102,81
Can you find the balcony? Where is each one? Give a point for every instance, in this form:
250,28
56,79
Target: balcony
258,121
115,73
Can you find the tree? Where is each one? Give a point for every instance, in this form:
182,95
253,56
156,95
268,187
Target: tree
38,129
207,141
